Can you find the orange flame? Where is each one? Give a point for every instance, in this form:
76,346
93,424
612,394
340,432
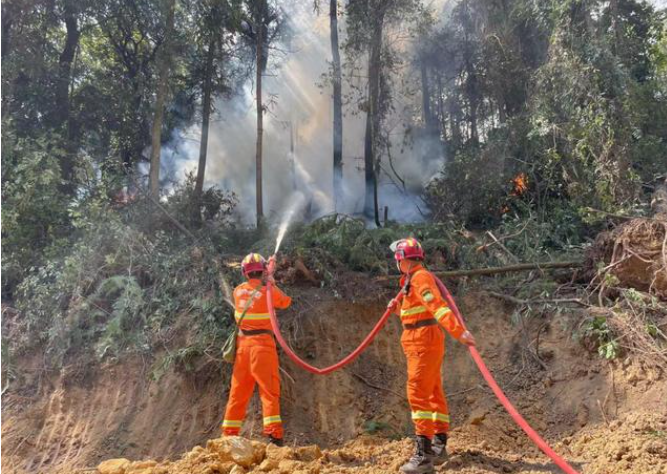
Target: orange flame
520,183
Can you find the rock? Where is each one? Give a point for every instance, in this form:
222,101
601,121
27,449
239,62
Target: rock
268,465
233,448
277,453
259,451
141,467
114,466
308,453
237,470
477,416
287,466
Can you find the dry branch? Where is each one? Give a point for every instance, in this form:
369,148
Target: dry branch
521,267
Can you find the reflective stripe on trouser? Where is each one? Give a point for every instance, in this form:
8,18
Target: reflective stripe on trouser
254,365
426,396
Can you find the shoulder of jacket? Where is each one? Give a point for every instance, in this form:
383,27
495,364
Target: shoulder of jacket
423,277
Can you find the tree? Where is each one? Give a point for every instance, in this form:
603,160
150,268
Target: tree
367,24
262,28
337,104
163,80
212,72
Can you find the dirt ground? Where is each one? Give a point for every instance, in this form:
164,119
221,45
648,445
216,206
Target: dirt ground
603,417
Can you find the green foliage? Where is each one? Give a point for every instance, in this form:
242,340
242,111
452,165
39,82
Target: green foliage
570,93
115,288
597,330
33,204
373,427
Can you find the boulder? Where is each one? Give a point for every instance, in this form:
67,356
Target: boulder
114,466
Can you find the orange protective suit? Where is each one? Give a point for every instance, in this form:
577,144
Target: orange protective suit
256,361
424,348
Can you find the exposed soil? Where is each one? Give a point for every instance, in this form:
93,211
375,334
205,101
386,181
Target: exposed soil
604,417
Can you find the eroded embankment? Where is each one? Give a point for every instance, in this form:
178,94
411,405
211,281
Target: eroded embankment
594,412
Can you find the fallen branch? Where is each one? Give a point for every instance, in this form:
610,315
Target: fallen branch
521,267
377,387
515,300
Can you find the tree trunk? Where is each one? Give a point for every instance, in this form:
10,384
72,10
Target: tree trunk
203,145
337,106
260,114
163,82
441,109
61,117
427,115
373,122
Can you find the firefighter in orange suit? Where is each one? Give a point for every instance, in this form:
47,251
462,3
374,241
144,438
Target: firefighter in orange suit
256,356
422,311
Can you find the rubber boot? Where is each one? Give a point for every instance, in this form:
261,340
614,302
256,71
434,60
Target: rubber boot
440,449
421,462
277,441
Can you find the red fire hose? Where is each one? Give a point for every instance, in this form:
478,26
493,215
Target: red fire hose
518,419
305,365
516,416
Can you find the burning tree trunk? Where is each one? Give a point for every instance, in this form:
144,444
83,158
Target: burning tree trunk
163,79
337,105
203,146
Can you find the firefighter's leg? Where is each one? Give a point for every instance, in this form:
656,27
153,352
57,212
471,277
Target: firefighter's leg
422,371
439,405
440,420
264,367
421,374
240,392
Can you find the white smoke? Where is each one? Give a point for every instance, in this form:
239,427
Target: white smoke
300,116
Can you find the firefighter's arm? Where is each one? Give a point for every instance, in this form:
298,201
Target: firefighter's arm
280,299
430,296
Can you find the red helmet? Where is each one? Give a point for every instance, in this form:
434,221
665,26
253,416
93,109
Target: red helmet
253,262
407,248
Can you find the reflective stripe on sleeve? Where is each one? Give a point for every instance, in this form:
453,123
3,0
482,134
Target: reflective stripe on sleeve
442,312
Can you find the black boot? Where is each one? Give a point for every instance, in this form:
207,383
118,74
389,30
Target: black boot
440,448
421,462
277,441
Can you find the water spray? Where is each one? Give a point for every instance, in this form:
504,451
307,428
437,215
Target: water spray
297,202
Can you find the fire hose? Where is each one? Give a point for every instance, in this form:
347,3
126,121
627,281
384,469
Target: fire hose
516,416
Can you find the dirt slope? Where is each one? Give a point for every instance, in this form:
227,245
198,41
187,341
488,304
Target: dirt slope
78,419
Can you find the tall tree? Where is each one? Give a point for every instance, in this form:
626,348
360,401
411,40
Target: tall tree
213,21
337,105
63,117
262,28
164,63
367,24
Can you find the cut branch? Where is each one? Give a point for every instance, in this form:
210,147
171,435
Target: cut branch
521,267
